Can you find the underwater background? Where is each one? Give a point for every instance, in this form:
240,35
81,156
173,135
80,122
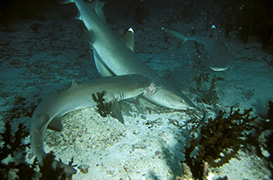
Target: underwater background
229,136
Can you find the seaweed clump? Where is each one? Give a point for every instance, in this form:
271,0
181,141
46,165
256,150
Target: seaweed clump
12,146
103,107
219,141
13,163
208,95
12,158
268,146
265,141
47,171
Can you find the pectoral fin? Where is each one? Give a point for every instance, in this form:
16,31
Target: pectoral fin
87,36
116,111
37,132
56,124
101,67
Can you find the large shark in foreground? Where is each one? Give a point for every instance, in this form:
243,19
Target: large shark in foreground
113,57
78,96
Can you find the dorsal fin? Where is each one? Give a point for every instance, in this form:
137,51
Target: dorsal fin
74,83
116,111
129,38
85,35
78,16
56,124
104,70
214,31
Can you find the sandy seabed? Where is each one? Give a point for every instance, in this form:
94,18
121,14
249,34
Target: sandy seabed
38,57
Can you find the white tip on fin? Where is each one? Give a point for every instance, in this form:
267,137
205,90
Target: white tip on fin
131,30
74,83
78,17
129,38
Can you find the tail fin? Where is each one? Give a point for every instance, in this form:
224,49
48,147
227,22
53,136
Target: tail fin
65,1
99,9
176,34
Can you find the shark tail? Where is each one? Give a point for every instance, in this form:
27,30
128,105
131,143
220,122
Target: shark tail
98,6
65,1
181,37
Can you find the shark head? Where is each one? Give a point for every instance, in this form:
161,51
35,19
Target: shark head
135,85
169,98
218,55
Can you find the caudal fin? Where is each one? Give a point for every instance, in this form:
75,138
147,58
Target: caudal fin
65,1
176,34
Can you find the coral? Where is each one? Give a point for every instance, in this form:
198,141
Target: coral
103,108
13,149
219,140
200,79
269,148
47,172
209,96
12,144
265,143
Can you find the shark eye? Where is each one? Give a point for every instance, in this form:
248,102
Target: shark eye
183,100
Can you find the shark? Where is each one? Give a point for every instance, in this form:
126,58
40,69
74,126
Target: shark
114,56
58,103
218,56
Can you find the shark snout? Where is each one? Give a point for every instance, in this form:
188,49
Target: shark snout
182,105
179,101
170,98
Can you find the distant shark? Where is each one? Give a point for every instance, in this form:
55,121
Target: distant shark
218,56
49,112
113,57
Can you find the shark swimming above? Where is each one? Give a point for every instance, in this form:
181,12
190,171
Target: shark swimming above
49,112
113,57
218,56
